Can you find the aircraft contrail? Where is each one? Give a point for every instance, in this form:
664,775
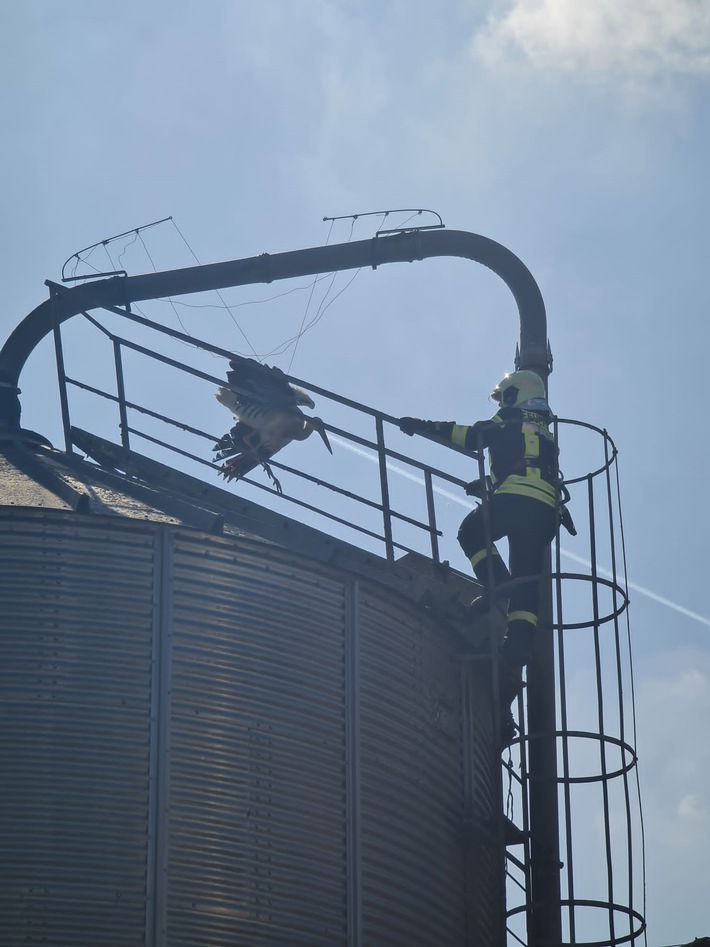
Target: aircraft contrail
454,498
641,589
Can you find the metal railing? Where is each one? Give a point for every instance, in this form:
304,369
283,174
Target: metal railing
130,408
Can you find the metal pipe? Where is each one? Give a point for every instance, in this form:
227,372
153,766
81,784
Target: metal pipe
121,291
545,899
545,925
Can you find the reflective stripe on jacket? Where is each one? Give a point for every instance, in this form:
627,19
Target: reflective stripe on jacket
521,449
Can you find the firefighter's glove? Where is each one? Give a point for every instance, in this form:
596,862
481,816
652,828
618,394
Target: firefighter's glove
414,426
476,488
567,521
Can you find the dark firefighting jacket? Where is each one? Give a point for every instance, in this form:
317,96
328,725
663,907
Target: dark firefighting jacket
521,449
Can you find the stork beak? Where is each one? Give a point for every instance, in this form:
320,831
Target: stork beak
318,425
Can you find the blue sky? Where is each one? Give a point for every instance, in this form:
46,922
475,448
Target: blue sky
575,134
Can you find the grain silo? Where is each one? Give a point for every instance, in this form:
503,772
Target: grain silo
223,726
212,738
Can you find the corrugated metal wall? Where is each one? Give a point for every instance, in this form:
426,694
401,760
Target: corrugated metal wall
210,741
257,803
76,612
485,870
411,784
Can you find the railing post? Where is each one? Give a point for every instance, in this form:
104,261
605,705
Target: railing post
384,488
61,374
431,515
121,392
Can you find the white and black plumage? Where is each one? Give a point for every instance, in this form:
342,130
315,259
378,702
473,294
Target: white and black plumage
267,409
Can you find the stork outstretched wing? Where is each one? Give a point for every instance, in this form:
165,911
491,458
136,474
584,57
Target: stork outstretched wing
267,409
256,386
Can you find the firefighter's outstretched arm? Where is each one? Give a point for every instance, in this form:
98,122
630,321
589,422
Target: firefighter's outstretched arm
469,437
438,429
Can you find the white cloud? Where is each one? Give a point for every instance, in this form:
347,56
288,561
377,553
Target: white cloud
675,766
636,39
673,703
692,809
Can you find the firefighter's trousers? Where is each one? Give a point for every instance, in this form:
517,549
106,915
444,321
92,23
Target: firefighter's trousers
530,526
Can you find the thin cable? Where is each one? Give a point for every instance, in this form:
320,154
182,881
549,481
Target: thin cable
316,319
303,321
248,302
172,304
113,265
404,222
85,261
110,258
219,294
322,307
321,312
125,249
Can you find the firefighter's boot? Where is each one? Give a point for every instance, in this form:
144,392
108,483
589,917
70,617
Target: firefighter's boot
518,642
515,654
493,576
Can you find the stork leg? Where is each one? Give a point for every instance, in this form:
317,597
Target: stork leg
251,441
272,477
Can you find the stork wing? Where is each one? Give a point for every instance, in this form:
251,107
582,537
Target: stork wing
240,455
234,442
264,386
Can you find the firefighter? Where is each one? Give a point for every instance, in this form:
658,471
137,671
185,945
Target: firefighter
522,504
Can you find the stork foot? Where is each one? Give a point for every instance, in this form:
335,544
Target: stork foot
270,474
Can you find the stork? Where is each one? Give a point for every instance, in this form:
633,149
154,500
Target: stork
268,415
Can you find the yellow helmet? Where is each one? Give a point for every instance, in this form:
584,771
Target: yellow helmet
517,388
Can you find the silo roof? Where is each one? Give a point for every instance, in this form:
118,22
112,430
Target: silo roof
34,474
